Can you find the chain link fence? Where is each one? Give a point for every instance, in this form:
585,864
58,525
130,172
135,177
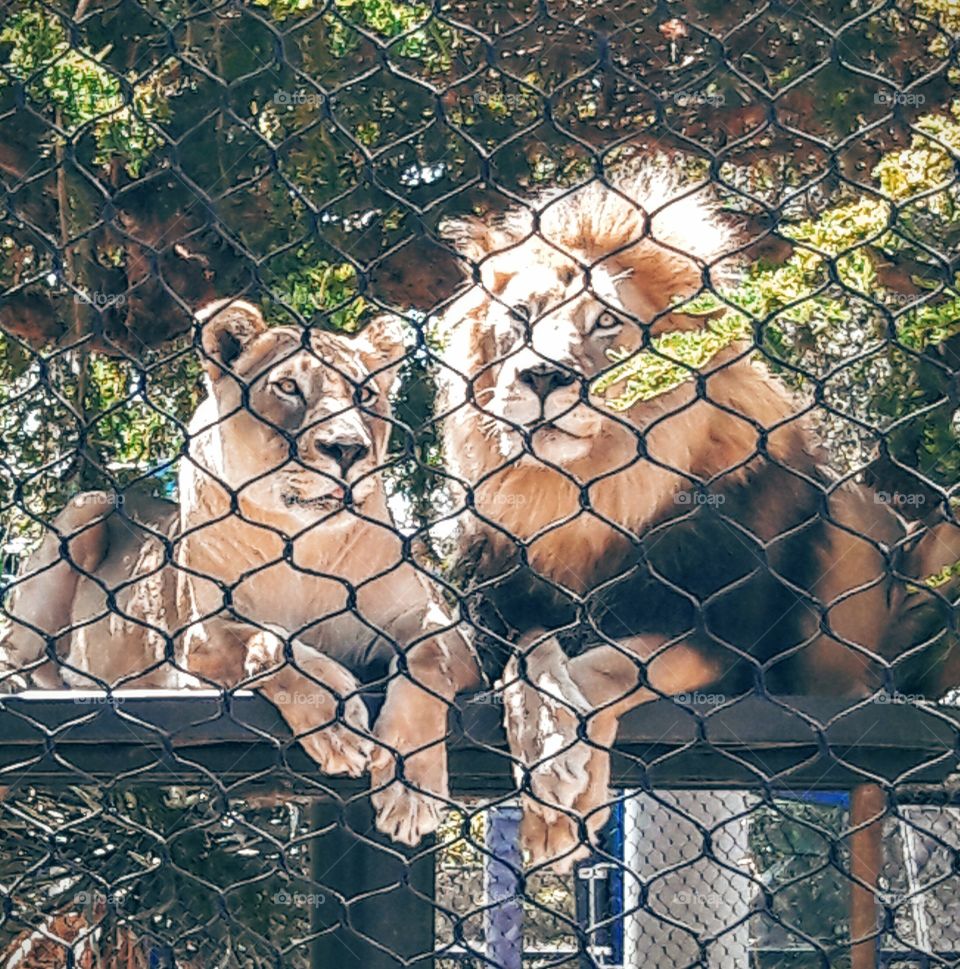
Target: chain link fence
478,483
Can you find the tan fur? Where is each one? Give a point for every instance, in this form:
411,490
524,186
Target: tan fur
239,609
60,615
595,251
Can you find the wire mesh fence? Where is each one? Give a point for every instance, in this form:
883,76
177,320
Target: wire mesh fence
478,483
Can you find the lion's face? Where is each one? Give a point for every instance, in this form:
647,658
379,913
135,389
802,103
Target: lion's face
552,329
303,418
596,270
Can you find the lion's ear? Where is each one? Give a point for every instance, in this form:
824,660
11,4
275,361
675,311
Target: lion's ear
480,243
228,326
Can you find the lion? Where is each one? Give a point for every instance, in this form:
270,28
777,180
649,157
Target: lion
282,571
695,540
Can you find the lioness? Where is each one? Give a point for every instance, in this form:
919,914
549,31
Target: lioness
287,571
695,541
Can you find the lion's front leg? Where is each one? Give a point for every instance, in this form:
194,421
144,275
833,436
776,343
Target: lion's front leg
319,699
562,715
409,767
545,714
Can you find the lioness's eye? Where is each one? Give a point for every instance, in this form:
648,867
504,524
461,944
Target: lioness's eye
521,311
607,321
366,394
289,387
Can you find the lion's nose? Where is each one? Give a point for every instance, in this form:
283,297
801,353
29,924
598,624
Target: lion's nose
346,454
544,379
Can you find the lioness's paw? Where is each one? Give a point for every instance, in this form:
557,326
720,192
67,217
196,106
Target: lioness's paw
558,771
411,808
338,749
411,730
405,814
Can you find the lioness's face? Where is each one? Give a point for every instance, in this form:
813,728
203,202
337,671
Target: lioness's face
552,330
303,421
306,441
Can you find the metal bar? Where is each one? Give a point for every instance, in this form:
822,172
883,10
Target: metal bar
164,736
503,921
915,889
377,910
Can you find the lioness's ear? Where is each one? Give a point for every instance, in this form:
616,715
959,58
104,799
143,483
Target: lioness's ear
382,348
381,341
228,327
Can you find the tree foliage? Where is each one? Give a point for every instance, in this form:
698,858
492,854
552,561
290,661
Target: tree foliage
158,153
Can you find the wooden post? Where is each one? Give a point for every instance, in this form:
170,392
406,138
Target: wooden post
399,920
867,801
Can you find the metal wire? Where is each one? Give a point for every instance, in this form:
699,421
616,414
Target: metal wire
515,448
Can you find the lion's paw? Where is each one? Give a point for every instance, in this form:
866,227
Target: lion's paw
559,780
556,843
344,747
411,731
405,814
543,712
556,831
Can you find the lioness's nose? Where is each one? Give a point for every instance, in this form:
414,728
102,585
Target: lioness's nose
544,379
346,454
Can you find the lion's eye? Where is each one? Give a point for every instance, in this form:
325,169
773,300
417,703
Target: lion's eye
288,387
521,311
366,394
607,321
